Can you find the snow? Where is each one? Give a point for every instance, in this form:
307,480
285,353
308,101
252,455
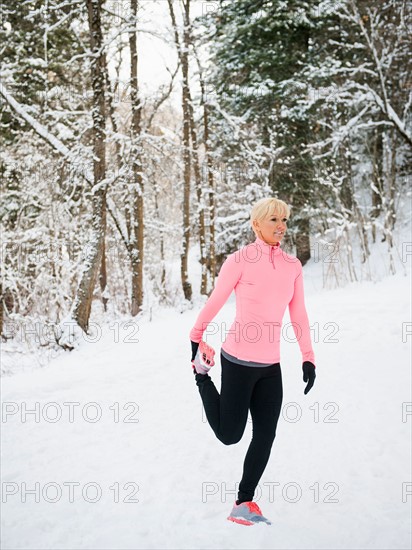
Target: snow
123,457
42,131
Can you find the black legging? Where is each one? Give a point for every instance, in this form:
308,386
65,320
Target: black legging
257,388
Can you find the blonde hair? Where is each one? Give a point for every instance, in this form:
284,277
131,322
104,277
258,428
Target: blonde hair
263,207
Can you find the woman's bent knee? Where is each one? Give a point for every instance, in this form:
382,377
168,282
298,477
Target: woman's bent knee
230,439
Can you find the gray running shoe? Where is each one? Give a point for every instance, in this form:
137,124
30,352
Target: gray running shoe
247,513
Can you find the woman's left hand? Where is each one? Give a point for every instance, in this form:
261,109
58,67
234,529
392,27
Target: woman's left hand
308,375
194,345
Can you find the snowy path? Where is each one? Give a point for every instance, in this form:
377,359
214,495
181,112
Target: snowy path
185,476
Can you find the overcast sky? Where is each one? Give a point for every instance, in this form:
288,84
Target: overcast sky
155,54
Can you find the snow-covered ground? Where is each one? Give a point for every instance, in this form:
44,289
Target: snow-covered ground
118,454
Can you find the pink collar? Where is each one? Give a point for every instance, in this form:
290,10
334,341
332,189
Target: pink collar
268,248
272,249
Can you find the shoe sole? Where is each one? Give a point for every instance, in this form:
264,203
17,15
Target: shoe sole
247,522
240,521
207,352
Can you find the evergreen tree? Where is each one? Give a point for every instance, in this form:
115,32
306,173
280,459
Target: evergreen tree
261,50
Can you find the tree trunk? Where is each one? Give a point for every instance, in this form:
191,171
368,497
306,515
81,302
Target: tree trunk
112,116
211,260
162,248
199,194
184,60
103,276
83,302
211,192
187,287
390,219
346,193
377,179
389,171
392,185
377,173
137,240
302,241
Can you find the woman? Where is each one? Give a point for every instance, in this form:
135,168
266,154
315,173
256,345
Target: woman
265,280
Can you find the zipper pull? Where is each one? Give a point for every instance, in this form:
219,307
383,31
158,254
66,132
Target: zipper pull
272,248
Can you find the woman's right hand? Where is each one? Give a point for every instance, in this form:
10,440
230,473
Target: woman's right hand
309,375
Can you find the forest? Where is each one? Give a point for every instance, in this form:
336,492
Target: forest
106,183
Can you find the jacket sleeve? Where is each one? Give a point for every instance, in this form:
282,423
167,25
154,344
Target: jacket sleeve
299,317
229,275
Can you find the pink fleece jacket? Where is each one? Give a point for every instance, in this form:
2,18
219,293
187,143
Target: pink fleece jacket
265,280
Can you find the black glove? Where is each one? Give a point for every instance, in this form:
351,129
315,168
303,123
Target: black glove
308,375
195,345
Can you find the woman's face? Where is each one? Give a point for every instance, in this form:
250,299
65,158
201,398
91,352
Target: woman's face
272,228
